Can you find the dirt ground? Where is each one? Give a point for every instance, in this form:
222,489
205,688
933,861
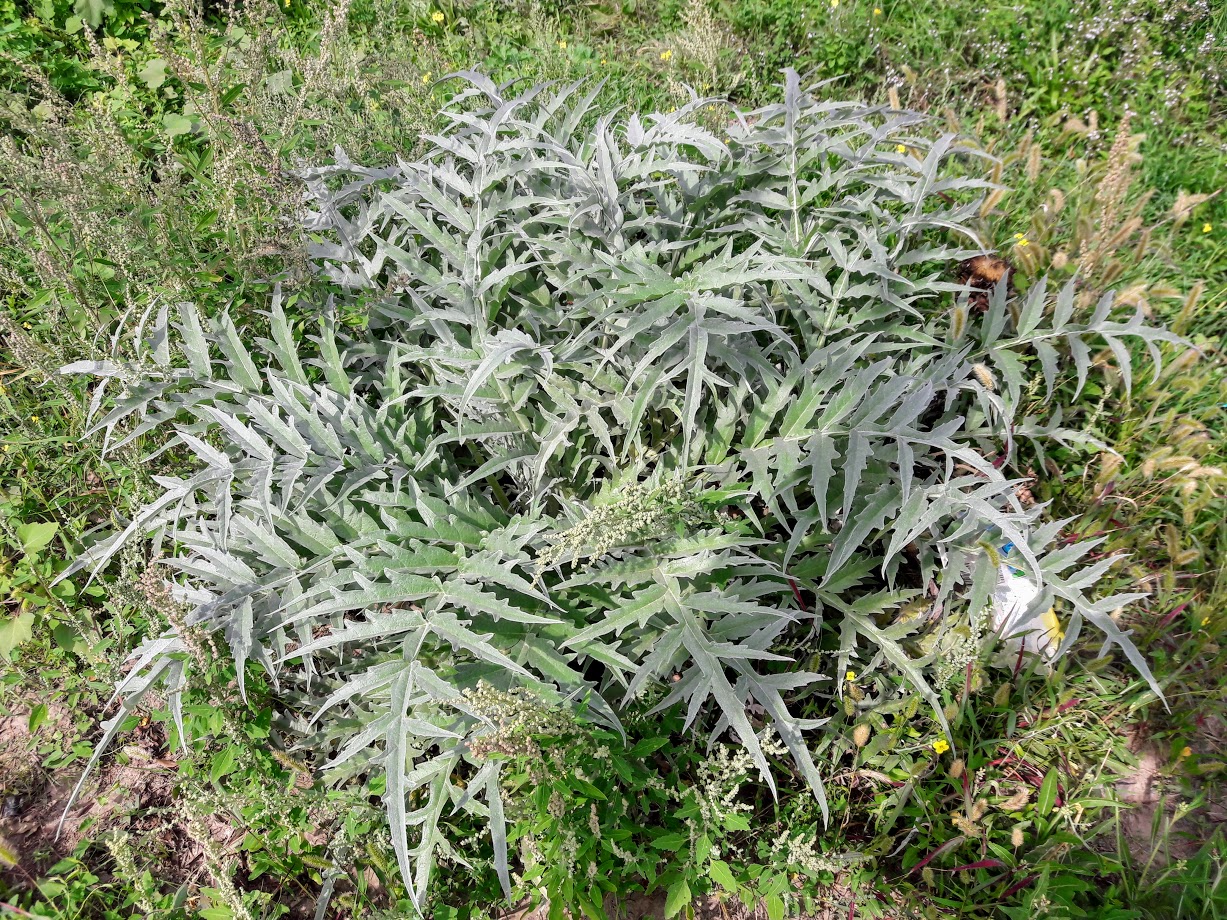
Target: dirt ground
839,905
135,793
1150,827
136,797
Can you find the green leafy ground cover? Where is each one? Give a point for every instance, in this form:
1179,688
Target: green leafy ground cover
151,162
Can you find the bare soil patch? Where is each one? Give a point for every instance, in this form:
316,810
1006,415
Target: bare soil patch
1150,826
33,800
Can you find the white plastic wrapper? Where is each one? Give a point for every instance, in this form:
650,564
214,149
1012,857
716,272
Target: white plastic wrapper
1039,635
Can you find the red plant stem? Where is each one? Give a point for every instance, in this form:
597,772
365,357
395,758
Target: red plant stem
796,593
982,864
945,847
1018,886
1035,778
1064,707
1171,616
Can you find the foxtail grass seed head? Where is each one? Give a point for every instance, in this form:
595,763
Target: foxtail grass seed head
1189,308
984,376
1001,104
1182,208
1017,801
991,200
1035,158
958,321
966,826
1109,464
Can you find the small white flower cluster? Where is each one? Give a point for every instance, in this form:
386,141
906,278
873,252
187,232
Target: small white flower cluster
721,777
218,863
641,513
799,852
568,849
514,720
960,648
557,807
119,844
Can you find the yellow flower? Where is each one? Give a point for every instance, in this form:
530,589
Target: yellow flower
834,3
287,4
940,746
426,77
1205,621
1186,752
34,419
436,16
563,45
604,60
1206,228
850,676
5,448
900,148
1024,242
667,55
877,11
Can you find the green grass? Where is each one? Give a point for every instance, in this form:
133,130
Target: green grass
216,234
